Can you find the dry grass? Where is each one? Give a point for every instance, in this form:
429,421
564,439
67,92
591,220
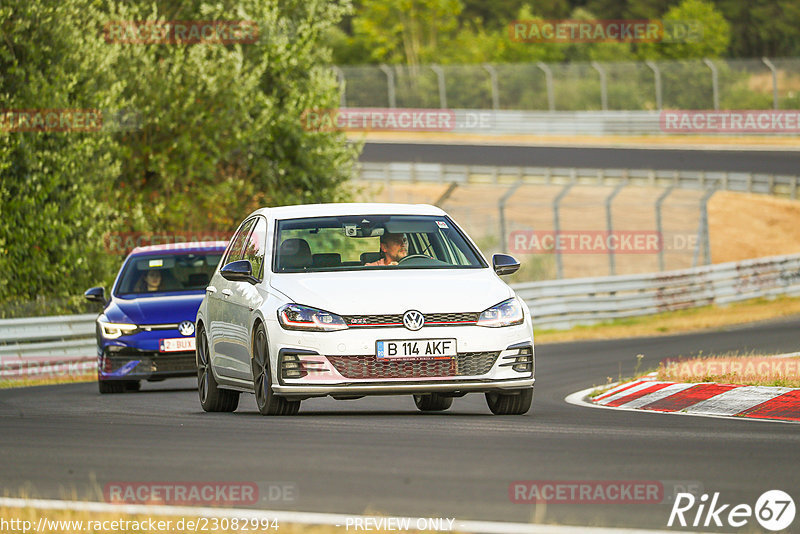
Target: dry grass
746,226
678,141
678,321
7,383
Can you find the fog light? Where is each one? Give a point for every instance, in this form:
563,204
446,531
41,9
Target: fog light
291,367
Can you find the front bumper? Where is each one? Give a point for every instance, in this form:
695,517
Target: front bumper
345,363
133,364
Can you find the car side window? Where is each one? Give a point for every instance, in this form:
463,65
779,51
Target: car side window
235,248
254,250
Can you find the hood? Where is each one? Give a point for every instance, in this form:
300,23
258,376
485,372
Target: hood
168,309
395,291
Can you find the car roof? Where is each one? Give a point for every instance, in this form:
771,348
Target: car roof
178,248
348,208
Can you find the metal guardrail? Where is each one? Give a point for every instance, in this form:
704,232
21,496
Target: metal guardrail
555,304
769,184
559,304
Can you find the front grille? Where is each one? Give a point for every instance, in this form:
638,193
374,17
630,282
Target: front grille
371,321
465,364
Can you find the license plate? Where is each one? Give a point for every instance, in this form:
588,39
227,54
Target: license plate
416,349
176,344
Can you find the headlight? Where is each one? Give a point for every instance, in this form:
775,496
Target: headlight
297,317
115,330
507,313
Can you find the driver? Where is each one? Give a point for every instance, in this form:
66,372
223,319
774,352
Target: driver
394,247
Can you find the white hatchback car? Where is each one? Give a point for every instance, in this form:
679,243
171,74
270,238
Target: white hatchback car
349,300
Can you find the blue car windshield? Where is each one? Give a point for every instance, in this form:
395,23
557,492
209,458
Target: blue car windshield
167,273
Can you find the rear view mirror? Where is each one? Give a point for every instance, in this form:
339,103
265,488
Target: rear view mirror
238,271
504,264
96,294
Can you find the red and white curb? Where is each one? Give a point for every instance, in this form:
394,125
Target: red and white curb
706,399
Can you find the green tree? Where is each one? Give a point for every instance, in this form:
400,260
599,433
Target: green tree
52,184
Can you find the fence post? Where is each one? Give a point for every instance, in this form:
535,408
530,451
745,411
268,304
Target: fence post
340,77
548,79
557,228
446,194
603,85
501,208
442,89
495,86
714,81
659,226
702,231
657,81
774,71
389,85
610,227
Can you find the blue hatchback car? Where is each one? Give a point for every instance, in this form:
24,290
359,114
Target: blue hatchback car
146,329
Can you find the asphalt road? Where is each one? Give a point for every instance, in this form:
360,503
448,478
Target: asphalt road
381,455
778,162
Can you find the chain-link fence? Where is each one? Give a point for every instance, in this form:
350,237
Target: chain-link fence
580,86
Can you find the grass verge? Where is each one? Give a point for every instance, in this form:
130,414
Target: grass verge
752,369
707,317
8,383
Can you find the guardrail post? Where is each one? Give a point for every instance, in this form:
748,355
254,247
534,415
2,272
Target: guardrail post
702,231
659,226
501,208
495,86
442,89
603,85
340,76
714,81
656,81
446,194
774,71
548,80
610,227
389,85
794,187
557,228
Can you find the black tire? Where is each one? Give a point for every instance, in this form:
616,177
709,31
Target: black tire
212,397
432,402
517,403
110,386
133,385
267,402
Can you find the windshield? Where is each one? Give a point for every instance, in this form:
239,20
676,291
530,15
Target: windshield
367,242
167,273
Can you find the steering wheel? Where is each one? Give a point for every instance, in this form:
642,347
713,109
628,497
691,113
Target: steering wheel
410,256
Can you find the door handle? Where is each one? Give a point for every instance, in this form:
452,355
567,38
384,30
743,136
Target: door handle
211,289
227,292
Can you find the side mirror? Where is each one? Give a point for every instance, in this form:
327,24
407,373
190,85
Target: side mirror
238,271
96,294
504,264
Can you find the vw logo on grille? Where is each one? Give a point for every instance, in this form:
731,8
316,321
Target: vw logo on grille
186,328
413,320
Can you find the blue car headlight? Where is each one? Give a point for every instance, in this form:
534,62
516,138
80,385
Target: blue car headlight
507,313
299,317
115,330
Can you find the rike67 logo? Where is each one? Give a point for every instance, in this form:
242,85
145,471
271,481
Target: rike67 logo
774,510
